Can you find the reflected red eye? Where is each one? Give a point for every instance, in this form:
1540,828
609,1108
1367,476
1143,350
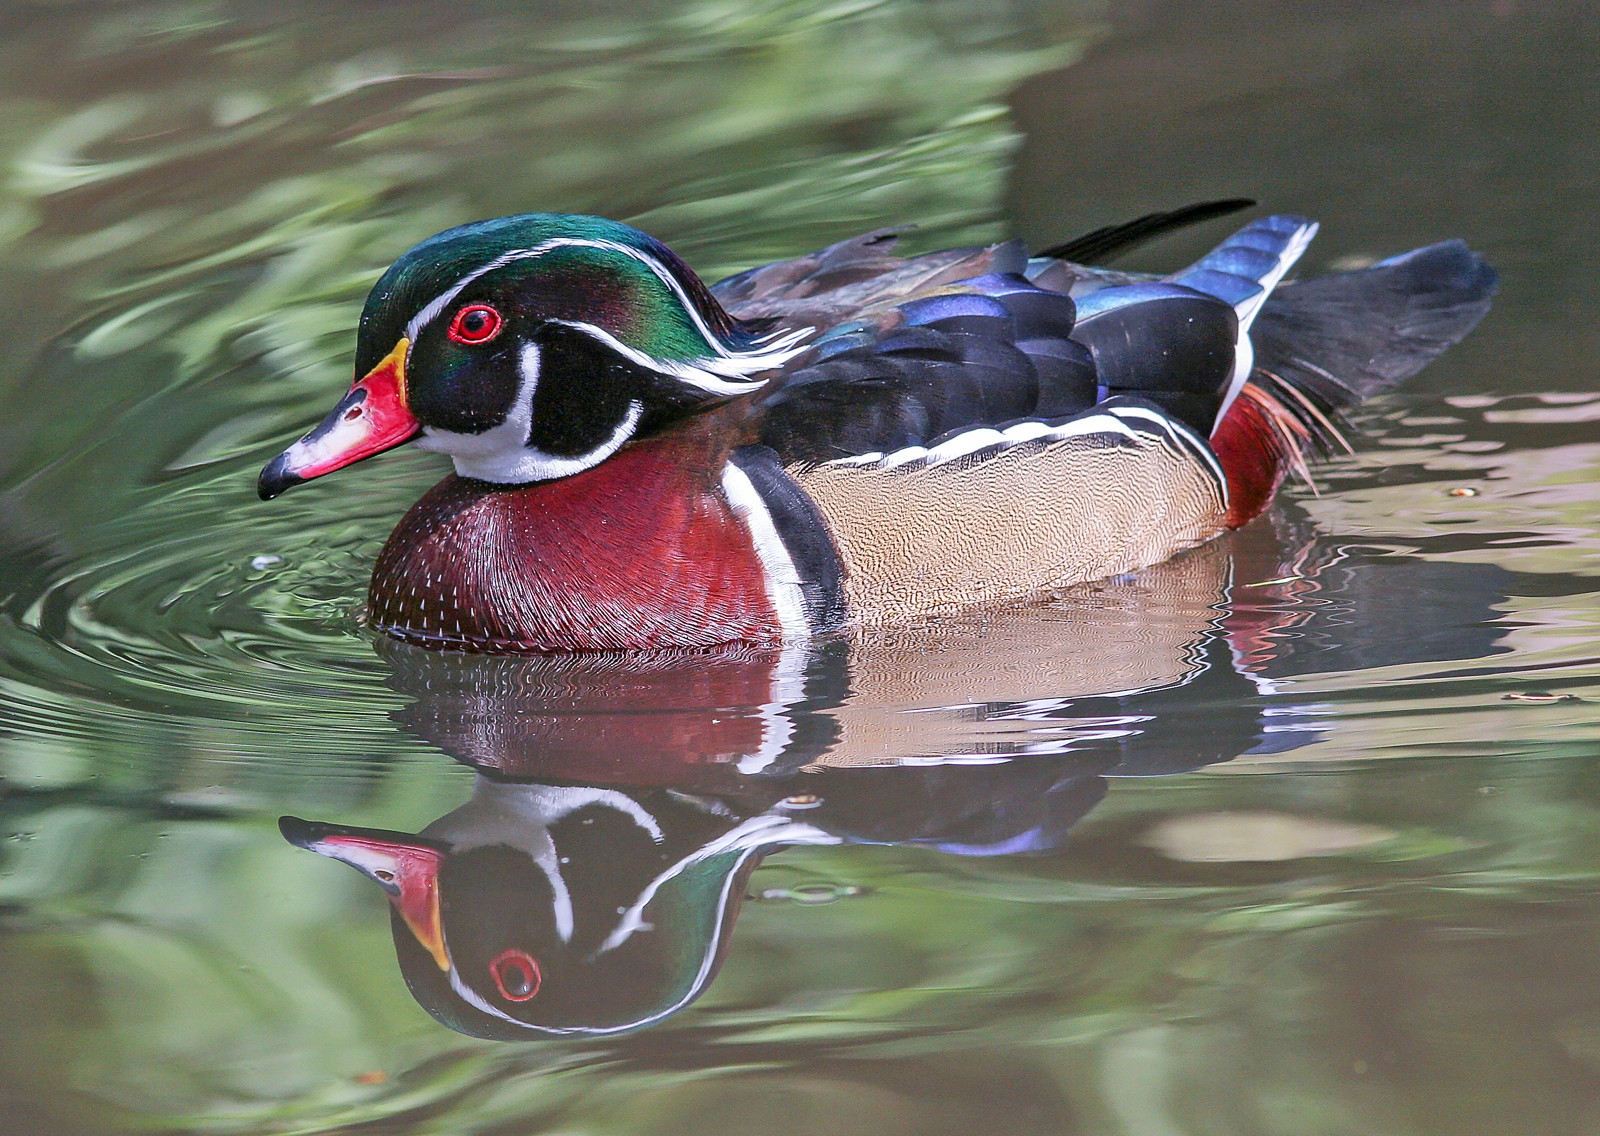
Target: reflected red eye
476,323
515,974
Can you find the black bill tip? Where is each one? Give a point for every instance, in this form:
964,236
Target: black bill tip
301,833
276,477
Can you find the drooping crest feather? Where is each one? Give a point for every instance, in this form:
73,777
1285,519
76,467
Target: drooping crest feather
660,313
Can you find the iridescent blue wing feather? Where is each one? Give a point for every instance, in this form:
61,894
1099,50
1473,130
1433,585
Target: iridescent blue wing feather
913,350
1000,351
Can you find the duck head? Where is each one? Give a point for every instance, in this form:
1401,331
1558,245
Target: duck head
529,348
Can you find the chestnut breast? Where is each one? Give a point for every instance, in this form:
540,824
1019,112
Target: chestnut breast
642,551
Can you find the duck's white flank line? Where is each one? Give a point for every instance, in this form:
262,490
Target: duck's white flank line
1123,421
1196,445
970,441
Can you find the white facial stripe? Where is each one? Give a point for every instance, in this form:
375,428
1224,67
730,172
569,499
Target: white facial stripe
502,454
708,377
768,354
760,831
520,815
560,896
525,463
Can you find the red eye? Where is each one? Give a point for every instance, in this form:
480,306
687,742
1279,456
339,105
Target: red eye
515,974
476,323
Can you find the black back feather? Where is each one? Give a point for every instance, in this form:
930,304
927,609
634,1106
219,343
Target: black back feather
963,367
996,347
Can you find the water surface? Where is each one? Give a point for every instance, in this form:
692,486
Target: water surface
1296,834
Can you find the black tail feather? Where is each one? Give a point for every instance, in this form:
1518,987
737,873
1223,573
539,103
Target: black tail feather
1342,339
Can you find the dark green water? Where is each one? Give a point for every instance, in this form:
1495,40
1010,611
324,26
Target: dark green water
1299,834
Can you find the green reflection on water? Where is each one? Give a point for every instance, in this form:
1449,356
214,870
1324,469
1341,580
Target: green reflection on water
196,197
226,989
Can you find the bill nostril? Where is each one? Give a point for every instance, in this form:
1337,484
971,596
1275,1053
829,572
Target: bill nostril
352,414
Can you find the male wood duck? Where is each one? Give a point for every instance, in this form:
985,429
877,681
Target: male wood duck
561,909
846,441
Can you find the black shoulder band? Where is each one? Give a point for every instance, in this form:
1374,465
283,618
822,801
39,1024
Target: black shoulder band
804,534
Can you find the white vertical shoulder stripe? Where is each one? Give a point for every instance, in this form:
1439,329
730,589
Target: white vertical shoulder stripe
782,578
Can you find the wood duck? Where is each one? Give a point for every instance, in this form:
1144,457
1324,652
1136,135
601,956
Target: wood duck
1231,627
846,441
560,909
684,718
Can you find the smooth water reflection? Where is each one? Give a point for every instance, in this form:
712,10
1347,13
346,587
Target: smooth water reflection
986,883
591,882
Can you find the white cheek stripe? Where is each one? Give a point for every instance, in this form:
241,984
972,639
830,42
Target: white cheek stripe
777,566
527,464
502,454
768,354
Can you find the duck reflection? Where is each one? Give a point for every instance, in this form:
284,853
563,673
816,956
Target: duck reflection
590,884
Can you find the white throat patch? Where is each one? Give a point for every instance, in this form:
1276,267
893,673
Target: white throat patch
502,454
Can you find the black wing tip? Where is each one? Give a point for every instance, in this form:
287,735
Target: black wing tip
1114,240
